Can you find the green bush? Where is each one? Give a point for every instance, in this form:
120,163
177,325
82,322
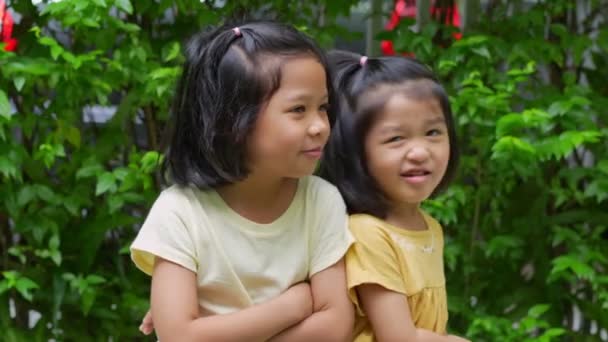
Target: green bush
525,222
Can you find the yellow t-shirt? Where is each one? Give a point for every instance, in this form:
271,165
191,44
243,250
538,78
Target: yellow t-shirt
405,261
239,263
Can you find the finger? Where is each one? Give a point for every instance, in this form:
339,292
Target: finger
147,318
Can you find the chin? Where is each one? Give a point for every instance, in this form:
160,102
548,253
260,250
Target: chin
300,173
414,198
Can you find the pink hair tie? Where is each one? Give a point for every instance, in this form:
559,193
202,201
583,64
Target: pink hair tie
363,60
237,31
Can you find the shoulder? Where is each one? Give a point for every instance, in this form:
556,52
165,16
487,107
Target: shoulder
177,193
367,228
432,223
319,188
321,196
182,201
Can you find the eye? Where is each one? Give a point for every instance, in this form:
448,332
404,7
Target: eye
434,132
394,139
298,109
324,107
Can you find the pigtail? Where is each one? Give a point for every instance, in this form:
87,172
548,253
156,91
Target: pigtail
343,158
204,53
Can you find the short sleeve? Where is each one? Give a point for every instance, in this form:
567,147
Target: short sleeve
330,238
371,260
165,234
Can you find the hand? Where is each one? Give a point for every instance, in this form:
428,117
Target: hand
454,338
299,297
147,325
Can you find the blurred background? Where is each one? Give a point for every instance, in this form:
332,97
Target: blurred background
84,93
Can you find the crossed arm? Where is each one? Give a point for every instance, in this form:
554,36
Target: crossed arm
303,312
389,315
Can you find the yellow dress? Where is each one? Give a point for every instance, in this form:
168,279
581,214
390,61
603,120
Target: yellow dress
405,261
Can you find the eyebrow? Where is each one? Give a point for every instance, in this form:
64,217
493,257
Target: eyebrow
304,96
390,129
397,128
436,120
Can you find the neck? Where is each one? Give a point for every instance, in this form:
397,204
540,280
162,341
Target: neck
258,198
258,187
407,216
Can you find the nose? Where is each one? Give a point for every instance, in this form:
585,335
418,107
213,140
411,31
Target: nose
417,153
319,125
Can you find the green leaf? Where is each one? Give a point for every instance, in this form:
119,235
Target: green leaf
46,194
150,161
88,298
483,52
121,173
568,262
90,23
471,41
598,189
550,334
48,153
72,135
538,310
125,5
106,182
70,58
54,242
162,73
171,51
8,167
47,41
513,145
94,279
125,250
80,5
89,170
26,195
115,202
500,245
17,252
24,286
72,205
4,286
100,3
19,81
5,107
56,51
602,166
531,118
56,257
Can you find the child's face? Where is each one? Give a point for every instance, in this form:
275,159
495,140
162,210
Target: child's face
407,149
292,128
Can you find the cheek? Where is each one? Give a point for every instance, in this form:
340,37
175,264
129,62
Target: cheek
443,156
379,163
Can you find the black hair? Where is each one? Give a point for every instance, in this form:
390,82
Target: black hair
227,77
363,89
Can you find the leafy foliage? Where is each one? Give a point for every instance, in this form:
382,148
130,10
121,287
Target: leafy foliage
525,222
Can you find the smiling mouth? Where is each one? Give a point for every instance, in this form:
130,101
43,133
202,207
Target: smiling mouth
416,173
416,176
314,152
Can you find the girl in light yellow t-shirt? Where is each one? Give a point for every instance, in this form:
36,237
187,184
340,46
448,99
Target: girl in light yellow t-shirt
247,245
394,145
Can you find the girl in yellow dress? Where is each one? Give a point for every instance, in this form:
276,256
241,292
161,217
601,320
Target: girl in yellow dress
393,146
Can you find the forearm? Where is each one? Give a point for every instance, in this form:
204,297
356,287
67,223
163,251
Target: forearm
430,336
415,335
257,323
326,325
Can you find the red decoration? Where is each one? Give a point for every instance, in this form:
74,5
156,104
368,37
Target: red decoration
6,28
407,9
